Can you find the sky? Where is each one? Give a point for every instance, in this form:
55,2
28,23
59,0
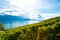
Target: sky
31,8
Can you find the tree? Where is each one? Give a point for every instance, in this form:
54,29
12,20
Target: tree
1,27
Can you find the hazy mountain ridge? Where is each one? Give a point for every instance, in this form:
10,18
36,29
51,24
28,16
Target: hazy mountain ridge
6,17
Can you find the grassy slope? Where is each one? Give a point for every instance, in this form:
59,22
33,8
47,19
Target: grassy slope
45,30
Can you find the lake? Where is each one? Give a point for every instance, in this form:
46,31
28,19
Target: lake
13,24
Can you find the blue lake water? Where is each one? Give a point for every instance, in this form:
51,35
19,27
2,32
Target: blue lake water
13,24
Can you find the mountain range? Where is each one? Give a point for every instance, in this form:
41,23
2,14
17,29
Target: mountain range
6,17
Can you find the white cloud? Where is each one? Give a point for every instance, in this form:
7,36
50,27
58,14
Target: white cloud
22,3
13,11
28,7
49,15
30,22
30,3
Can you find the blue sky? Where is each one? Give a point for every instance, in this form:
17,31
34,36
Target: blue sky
31,8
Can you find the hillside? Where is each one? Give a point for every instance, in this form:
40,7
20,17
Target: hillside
46,30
